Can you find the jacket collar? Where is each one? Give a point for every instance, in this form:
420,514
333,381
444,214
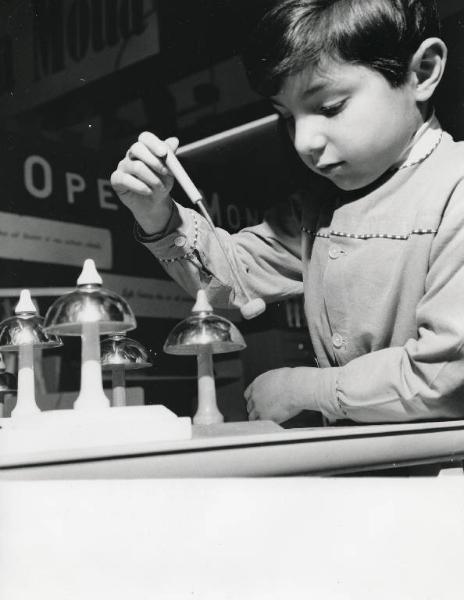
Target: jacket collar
423,143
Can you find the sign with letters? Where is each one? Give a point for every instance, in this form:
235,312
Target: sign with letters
57,208
50,47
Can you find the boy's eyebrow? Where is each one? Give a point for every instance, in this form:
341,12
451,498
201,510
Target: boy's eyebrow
313,89
309,91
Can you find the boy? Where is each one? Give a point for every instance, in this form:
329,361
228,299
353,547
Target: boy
381,260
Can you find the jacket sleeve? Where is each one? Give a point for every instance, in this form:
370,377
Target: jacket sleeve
267,258
424,379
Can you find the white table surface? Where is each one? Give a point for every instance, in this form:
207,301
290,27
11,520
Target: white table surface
251,449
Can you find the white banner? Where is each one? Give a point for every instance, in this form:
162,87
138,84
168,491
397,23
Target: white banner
150,297
47,241
158,298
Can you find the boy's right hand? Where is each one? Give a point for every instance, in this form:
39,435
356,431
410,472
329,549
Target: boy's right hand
143,182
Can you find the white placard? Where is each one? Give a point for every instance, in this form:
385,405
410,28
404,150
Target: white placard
47,241
158,298
150,297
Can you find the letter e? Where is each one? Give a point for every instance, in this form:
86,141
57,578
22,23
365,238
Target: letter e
105,192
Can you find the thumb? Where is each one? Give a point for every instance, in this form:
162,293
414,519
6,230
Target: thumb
173,143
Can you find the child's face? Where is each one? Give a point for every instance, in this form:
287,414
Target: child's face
346,121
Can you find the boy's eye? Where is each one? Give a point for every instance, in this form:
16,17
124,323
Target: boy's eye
330,110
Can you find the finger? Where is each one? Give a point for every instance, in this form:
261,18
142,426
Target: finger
158,147
139,169
124,182
253,416
140,152
248,399
173,143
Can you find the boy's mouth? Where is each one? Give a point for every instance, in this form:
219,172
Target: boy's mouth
328,167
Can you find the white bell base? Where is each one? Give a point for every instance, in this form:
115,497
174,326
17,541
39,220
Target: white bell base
71,429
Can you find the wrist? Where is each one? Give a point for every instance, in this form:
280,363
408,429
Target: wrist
303,386
157,218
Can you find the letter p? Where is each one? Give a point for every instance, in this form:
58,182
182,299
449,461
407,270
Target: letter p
74,184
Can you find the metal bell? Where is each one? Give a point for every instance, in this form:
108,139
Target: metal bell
120,351
23,333
89,303
119,354
90,311
205,334
26,327
204,330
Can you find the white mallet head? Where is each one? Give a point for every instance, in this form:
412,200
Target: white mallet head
253,308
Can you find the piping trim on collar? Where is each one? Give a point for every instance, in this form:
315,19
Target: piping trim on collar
424,142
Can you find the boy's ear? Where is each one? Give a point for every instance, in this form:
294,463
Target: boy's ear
427,67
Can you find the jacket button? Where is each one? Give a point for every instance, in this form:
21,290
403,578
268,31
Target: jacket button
337,340
335,252
180,241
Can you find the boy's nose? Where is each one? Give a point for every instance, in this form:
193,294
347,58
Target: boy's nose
309,141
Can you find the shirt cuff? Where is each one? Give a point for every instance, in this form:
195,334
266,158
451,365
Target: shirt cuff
178,240
146,238
326,396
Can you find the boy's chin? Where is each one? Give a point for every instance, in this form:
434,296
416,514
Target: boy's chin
347,185
351,184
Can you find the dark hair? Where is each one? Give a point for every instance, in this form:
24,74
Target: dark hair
380,34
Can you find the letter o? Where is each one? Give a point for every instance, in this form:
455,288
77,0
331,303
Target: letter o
233,216
38,162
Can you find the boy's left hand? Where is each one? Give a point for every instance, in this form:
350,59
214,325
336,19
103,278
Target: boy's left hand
280,394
